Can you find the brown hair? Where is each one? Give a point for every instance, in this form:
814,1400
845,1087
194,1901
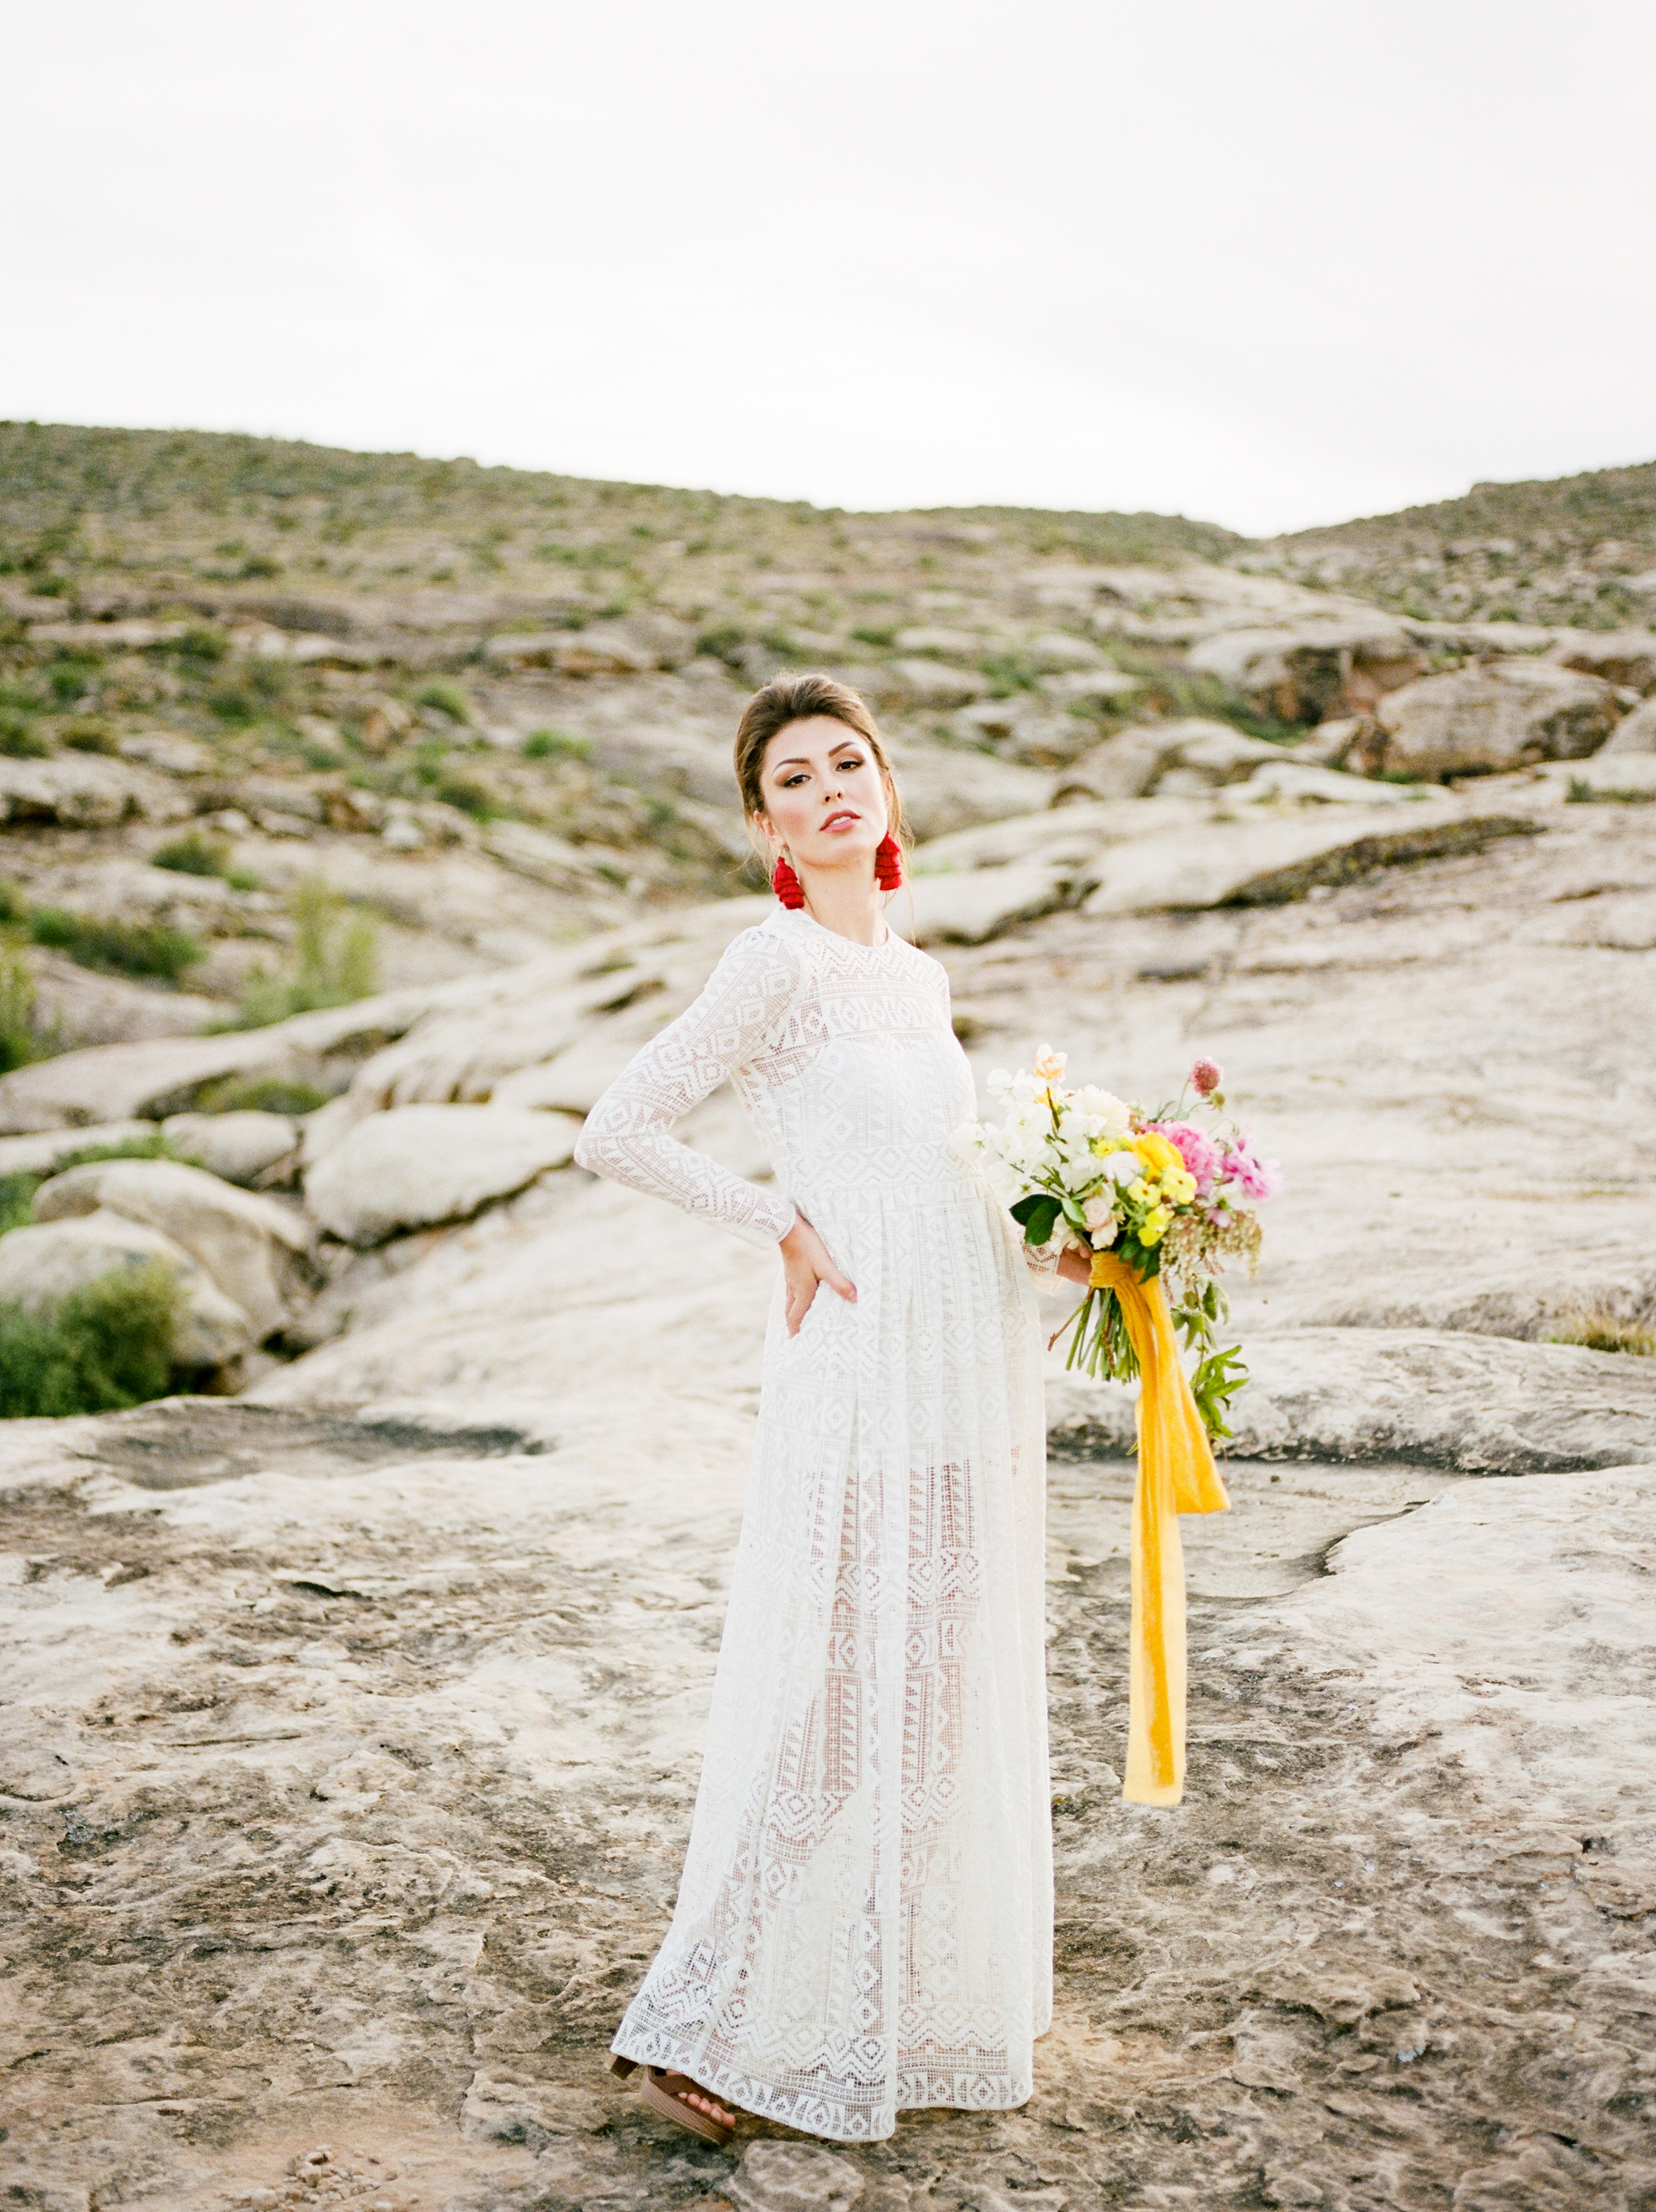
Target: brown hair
788,699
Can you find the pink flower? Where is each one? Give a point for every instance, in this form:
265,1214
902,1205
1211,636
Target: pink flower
1255,1177
1194,1146
1206,1076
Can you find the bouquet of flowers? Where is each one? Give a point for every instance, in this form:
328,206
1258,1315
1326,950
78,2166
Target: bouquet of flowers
1164,1194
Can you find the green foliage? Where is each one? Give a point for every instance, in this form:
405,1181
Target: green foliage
1009,672
1582,793
122,948
18,1042
335,959
17,1200
203,646
267,1094
880,634
723,642
20,740
89,737
1601,1328
109,1345
1216,1381
446,699
192,854
469,796
14,907
555,745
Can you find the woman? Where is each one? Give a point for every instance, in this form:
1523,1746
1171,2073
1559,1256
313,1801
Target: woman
864,1923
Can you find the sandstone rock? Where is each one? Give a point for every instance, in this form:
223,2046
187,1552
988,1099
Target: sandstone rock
572,1083
1626,657
1218,754
40,1266
969,909
1301,783
155,1078
1068,837
788,2176
84,791
643,641
1268,862
1476,719
1483,1404
1054,651
258,1253
1087,684
1137,760
1027,726
1313,672
955,644
918,684
133,635
238,1146
39,1155
949,787
417,1166
167,751
1605,774
1633,733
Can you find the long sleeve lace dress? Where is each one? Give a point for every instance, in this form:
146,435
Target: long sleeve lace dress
864,1922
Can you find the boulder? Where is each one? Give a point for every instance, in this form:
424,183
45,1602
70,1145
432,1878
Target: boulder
40,1266
949,787
1027,726
40,1154
418,1165
1054,651
950,644
1485,1404
166,750
572,1083
258,1253
917,684
970,908
1314,670
85,790
237,1147
1620,656
1274,861
1135,760
631,647
1634,733
1605,774
1475,720
1303,783
1080,685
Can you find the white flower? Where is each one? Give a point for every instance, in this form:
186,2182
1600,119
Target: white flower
1105,1105
1104,1237
967,1141
1097,1213
1000,1083
1122,1167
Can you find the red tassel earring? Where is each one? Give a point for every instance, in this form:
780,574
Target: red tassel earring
888,863
786,884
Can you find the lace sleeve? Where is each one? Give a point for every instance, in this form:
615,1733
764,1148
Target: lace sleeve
627,1134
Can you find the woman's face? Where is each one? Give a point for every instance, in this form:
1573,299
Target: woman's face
824,798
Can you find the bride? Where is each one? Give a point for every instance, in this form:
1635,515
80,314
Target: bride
864,1923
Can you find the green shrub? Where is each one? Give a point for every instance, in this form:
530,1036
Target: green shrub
123,948
267,1094
20,740
109,1345
14,907
18,1042
192,854
17,1200
336,958
88,737
875,633
199,644
1601,1328
446,698
470,797
555,745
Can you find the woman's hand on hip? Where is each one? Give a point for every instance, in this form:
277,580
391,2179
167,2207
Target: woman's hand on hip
804,1264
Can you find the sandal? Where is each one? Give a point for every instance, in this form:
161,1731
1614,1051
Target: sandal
669,2101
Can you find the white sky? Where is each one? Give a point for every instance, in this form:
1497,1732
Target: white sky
1271,265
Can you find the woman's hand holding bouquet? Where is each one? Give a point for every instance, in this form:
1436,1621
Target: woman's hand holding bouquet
1159,1193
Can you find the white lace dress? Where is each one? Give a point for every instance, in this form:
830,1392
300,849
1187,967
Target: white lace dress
864,1923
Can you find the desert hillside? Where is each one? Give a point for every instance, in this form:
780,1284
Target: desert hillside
376,1472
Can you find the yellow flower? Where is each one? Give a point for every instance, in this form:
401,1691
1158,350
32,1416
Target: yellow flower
1157,1153
1178,1186
1154,1227
1139,1192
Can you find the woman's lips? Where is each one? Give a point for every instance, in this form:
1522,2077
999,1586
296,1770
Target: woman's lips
841,819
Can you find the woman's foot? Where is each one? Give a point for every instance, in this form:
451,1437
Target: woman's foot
676,2098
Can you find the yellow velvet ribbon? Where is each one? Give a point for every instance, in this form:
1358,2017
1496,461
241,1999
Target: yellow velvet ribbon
1176,1474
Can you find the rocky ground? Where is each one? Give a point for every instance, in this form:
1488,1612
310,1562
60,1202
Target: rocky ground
353,1708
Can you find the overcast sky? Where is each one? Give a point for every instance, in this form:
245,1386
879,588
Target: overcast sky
1272,265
